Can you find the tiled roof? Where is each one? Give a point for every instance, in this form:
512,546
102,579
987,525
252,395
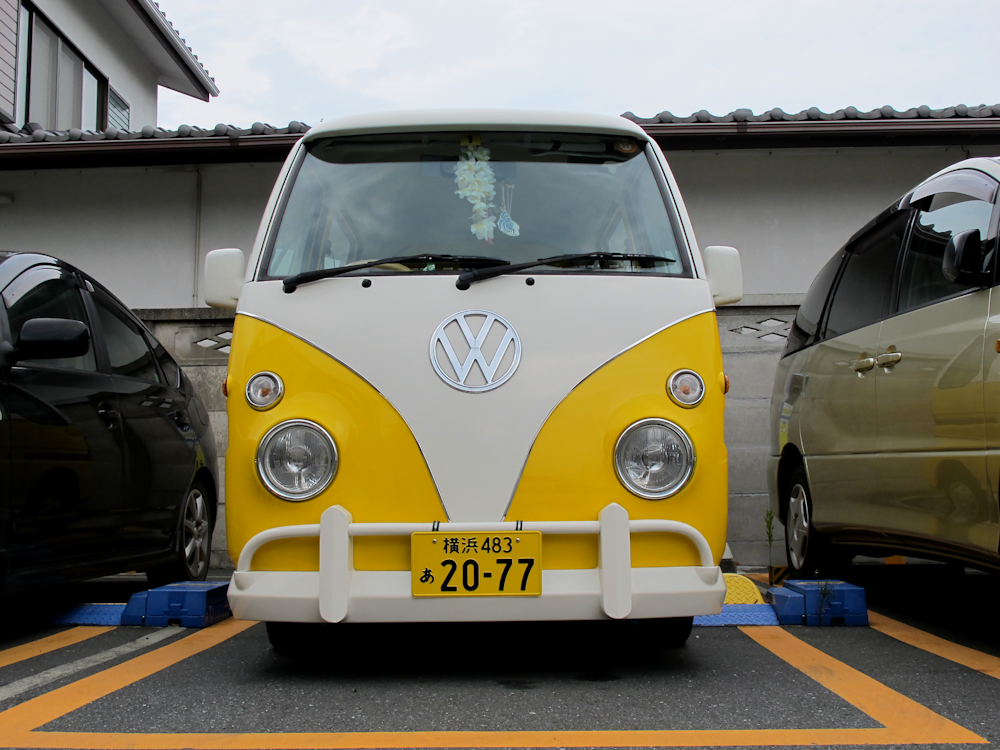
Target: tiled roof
814,113
32,133
161,17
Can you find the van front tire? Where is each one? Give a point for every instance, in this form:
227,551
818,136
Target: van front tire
665,632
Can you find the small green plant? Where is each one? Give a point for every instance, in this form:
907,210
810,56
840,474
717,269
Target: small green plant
825,593
769,528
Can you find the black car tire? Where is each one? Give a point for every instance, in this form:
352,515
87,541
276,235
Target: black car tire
194,541
809,553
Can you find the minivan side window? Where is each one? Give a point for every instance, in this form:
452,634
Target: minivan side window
807,318
864,285
945,214
46,292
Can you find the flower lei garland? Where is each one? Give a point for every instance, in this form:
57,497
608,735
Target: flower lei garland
475,179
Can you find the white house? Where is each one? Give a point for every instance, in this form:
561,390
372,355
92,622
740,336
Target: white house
91,64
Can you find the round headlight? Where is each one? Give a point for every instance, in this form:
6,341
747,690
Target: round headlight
297,460
686,388
264,390
654,458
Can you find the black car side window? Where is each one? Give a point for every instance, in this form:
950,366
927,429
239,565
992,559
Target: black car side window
128,351
170,370
46,292
864,285
945,214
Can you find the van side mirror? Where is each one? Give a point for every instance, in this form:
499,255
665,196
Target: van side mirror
725,274
962,262
52,338
224,272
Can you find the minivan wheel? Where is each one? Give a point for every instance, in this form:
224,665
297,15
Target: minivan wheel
194,549
808,552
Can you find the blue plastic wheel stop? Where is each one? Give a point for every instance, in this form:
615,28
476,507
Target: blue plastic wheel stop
135,610
831,602
789,606
194,604
90,614
739,614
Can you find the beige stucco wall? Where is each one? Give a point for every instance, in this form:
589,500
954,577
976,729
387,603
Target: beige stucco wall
142,231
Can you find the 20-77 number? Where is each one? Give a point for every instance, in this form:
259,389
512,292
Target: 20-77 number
470,574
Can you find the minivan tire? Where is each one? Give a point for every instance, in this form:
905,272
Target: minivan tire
809,553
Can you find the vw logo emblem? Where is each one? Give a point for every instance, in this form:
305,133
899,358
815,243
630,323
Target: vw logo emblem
475,332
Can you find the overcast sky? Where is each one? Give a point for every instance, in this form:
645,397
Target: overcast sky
318,59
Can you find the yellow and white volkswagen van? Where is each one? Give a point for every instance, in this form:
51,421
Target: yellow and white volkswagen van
475,375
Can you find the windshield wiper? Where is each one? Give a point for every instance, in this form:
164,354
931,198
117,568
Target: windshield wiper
291,283
481,274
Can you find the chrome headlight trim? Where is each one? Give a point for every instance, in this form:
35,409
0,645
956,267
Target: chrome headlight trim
279,386
262,474
686,443
670,388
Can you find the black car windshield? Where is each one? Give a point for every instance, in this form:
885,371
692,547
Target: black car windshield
509,196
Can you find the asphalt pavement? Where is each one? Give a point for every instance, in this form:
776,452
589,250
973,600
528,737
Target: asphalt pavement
894,684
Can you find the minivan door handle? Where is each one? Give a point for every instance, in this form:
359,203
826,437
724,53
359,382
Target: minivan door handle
863,365
889,359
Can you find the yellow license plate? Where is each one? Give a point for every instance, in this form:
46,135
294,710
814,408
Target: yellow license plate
476,564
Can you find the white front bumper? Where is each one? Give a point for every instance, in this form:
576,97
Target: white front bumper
338,593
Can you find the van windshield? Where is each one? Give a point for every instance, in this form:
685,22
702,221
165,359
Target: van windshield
459,198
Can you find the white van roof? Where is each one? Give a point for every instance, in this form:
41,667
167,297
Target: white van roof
409,121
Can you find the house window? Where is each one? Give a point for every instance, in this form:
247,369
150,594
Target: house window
117,111
57,87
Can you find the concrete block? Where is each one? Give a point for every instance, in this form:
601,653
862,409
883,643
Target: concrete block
207,380
754,553
751,373
748,421
220,426
746,519
747,470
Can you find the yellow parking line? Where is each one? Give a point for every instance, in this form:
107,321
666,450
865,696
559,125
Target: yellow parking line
906,722
51,643
45,708
906,719
967,657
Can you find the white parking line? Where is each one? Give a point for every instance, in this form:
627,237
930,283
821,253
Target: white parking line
64,670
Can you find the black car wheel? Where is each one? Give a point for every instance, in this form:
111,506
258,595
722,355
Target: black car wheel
194,549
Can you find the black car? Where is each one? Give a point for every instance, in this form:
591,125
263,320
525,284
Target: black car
107,458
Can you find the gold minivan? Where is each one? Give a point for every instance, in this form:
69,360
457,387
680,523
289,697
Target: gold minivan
885,435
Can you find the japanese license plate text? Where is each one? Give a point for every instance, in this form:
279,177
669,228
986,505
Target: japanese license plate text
476,564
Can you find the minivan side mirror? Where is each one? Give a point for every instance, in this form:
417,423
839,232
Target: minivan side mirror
962,261
725,274
52,338
224,272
